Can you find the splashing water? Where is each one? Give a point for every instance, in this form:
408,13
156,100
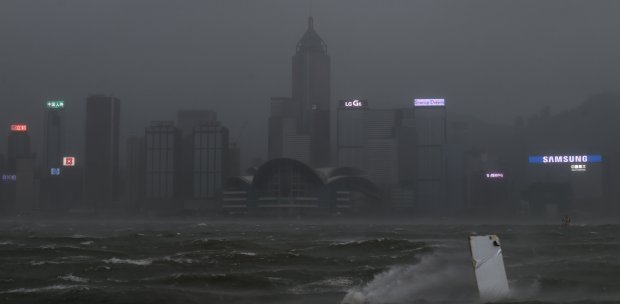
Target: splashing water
436,278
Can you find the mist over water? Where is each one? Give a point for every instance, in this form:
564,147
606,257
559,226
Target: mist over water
297,262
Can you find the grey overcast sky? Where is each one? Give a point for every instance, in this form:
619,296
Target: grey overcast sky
492,59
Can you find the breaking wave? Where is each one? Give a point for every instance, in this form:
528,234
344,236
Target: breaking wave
437,278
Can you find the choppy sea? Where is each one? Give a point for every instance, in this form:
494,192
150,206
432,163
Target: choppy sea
297,262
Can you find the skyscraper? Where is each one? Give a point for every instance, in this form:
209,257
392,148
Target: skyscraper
162,140
18,147
210,149
431,132
51,181
311,94
299,127
187,120
53,134
102,150
135,174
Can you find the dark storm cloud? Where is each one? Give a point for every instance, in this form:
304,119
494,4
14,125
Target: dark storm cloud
491,59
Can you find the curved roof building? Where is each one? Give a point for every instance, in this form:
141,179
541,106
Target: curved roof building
285,186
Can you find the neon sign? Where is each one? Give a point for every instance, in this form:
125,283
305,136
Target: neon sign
9,177
495,175
55,104
353,104
554,159
578,168
55,171
19,128
439,102
68,161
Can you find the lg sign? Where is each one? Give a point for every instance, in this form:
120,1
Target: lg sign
353,103
68,161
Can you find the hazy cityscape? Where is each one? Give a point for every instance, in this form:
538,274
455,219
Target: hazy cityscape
324,157
349,152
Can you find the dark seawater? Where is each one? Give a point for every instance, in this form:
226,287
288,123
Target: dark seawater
205,262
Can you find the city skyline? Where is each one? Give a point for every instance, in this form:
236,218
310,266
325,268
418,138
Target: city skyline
430,59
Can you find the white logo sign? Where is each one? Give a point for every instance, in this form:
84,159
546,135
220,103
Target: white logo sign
353,104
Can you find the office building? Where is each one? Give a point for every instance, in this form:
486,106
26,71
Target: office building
26,186
431,136
18,146
311,93
210,160
102,151
135,174
54,134
162,143
381,142
299,127
187,120
51,180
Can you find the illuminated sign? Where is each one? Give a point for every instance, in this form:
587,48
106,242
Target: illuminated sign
68,161
554,159
19,128
55,104
353,104
429,102
54,171
578,167
9,177
495,175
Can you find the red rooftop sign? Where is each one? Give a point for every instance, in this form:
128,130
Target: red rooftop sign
19,128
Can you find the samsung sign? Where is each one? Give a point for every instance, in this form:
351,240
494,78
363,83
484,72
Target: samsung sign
429,102
353,104
553,159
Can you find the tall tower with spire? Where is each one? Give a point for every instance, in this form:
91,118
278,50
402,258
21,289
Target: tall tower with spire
311,94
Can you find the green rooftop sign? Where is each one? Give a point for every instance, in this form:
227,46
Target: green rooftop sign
55,104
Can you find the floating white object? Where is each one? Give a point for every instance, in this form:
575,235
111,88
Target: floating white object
488,262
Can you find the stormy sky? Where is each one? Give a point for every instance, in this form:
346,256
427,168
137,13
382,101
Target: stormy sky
491,59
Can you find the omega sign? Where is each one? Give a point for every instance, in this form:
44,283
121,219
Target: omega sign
353,104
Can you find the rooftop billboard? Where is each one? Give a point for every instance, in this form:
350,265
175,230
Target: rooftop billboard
439,102
55,104
353,104
565,159
19,128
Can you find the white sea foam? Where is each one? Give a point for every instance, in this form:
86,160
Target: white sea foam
72,278
45,289
436,278
143,262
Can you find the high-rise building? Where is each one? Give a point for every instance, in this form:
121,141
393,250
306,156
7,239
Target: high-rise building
187,120
351,133
53,134
282,108
18,146
102,151
431,133
135,174
381,142
299,127
162,142
210,150
311,94
51,179
26,186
